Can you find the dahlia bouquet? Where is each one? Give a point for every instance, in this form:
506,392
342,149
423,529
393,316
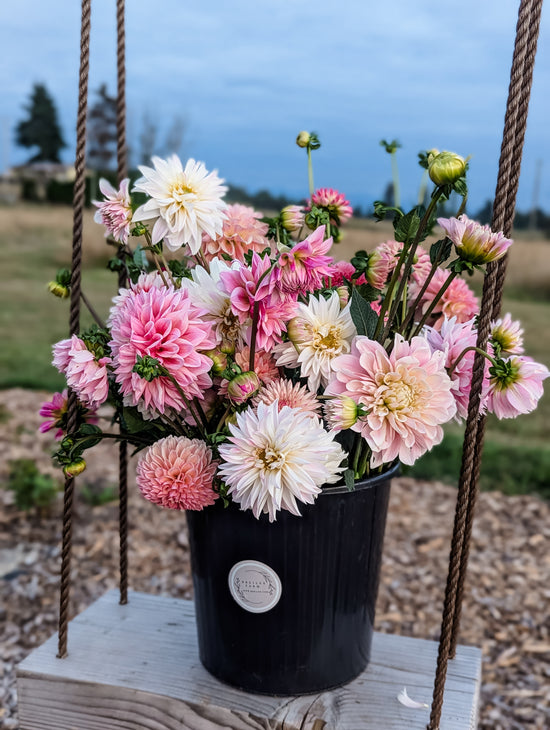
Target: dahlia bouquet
245,363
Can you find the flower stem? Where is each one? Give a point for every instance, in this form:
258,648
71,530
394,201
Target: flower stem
472,348
434,303
395,176
310,173
92,311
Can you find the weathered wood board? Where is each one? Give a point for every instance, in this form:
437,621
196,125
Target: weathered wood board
137,667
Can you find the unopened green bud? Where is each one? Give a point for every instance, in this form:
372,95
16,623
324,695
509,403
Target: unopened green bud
302,140
58,290
445,168
148,368
74,468
243,387
219,359
139,230
299,332
343,295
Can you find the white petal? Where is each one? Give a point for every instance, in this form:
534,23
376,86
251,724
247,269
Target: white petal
404,698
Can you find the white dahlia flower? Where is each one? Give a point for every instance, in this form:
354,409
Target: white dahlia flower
184,202
323,332
274,458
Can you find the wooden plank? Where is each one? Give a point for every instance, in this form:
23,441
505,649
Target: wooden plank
137,667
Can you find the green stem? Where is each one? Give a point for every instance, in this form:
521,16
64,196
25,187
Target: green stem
434,303
92,311
364,463
389,293
197,418
155,259
472,348
310,173
462,206
395,176
201,412
222,419
410,316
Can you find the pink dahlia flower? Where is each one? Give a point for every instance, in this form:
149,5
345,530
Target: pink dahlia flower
56,411
516,388
388,254
475,243
177,473
242,231
301,270
458,300
407,396
292,218
164,324
335,202
507,336
85,373
452,339
340,271
264,364
115,212
290,394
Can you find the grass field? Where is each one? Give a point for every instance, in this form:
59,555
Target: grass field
36,240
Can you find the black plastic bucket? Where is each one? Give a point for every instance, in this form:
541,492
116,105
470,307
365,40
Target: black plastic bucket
288,607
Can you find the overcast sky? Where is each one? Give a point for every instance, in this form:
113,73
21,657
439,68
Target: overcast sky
247,75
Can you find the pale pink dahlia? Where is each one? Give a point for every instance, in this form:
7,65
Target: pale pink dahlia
339,208
115,212
290,394
243,231
475,243
177,473
507,335
275,458
301,270
164,324
264,364
458,300
387,256
407,395
452,339
86,374
515,386
56,411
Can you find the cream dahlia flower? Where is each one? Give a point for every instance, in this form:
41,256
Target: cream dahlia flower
185,203
326,332
275,458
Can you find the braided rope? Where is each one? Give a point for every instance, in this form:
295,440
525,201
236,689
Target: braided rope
122,171
503,215
74,317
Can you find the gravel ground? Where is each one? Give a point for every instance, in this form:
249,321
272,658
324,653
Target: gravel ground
505,610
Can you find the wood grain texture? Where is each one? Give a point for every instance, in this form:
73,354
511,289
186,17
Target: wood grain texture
137,667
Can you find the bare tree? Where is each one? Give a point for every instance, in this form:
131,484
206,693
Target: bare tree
102,130
147,139
175,136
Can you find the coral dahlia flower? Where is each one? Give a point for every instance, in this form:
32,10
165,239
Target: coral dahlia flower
407,396
184,202
243,231
275,459
177,473
115,212
290,394
164,324
457,301
339,208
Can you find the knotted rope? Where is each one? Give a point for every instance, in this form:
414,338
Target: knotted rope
74,317
503,215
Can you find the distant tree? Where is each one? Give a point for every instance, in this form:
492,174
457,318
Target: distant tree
41,128
102,130
147,139
175,136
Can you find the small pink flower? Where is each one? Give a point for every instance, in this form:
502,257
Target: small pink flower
164,324
56,411
475,243
242,232
458,300
85,373
341,413
177,473
407,395
339,271
301,270
515,386
388,254
115,212
507,335
287,393
264,364
338,207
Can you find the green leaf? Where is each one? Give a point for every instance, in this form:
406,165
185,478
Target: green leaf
363,316
368,292
460,186
441,250
349,479
407,226
140,259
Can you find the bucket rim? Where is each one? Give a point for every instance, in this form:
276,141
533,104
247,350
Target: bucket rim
366,483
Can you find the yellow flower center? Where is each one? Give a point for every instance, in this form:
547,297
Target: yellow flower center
394,395
269,458
327,339
179,190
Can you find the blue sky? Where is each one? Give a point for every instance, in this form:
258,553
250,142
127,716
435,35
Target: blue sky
247,75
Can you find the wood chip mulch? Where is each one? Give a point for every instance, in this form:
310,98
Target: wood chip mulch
505,610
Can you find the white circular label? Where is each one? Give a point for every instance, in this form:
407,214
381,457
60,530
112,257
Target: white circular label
254,586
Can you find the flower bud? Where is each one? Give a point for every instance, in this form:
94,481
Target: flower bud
446,167
58,290
74,468
343,295
299,332
292,218
302,140
219,359
243,387
341,413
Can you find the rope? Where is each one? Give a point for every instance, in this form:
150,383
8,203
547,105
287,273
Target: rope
74,318
122,172
503,216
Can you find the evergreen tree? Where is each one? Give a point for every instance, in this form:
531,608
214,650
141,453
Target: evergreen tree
102,130
41,128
